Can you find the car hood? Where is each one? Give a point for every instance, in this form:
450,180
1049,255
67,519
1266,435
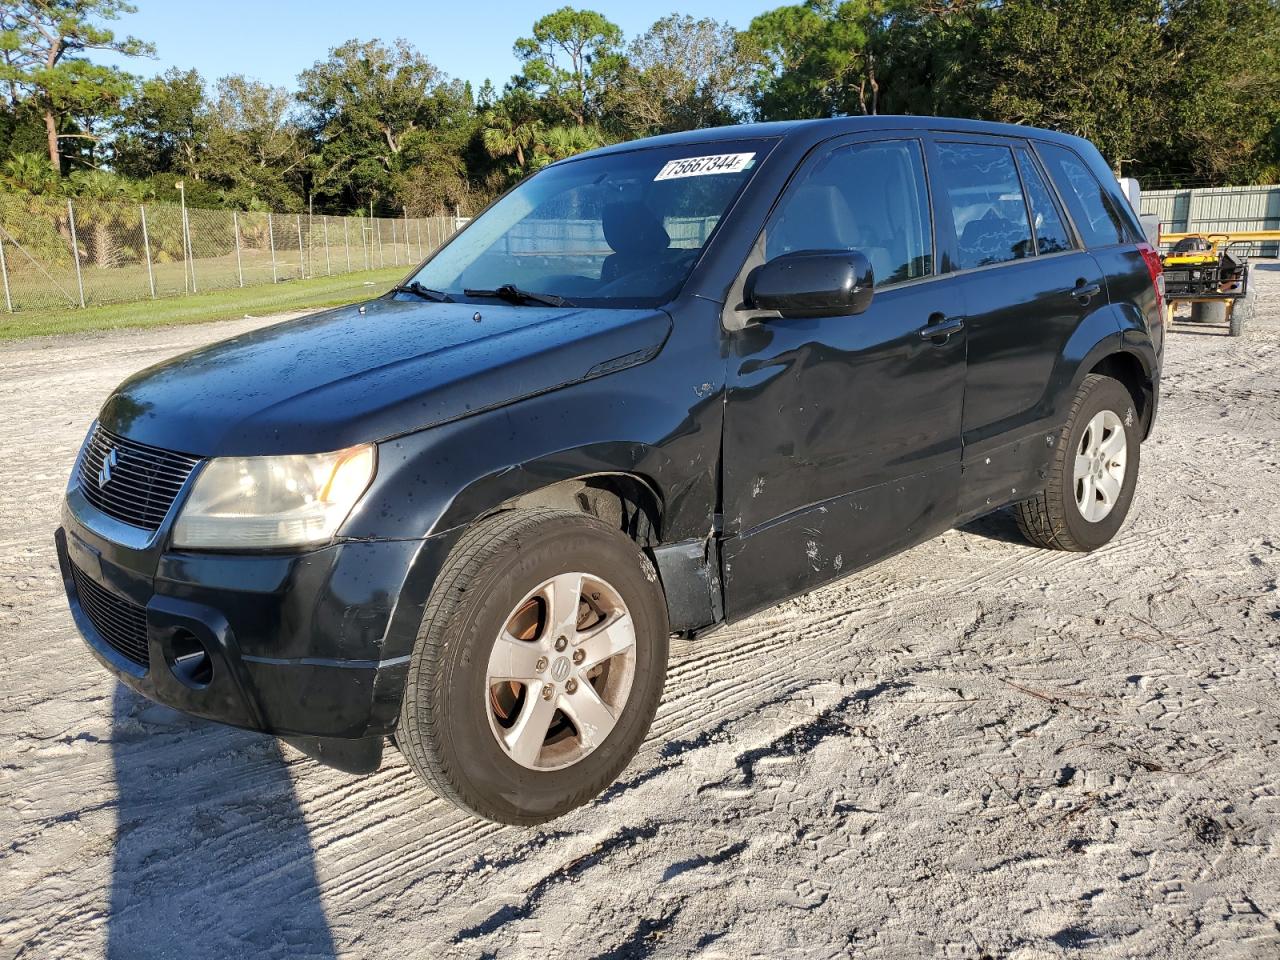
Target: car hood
363,373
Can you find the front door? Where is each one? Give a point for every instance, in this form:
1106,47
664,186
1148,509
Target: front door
842,434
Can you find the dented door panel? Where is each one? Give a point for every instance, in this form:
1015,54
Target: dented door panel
842,442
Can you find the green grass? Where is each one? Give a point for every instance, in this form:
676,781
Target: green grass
203,307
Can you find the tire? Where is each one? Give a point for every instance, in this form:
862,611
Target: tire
1054,518
1242,312
503,575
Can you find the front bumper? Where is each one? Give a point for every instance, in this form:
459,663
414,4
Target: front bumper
313,647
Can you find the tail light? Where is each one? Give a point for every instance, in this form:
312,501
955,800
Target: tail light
1156,269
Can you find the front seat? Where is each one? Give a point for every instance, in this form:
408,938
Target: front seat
635,234
818,217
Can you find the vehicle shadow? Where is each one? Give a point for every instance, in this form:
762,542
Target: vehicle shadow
1000,526
212,855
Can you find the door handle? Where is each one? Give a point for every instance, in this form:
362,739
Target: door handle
1084,292
939,328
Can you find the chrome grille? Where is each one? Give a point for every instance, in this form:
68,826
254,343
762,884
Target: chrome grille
130,481
119,622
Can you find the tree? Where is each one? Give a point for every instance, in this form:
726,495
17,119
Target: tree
42,41
107,208
925,53
561,142
1221,93
683,74
255,150
29,173
163,127
512,128
371,110
570,60
816,59
1089,67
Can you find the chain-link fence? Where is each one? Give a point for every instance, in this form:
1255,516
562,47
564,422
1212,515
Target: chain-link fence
56,254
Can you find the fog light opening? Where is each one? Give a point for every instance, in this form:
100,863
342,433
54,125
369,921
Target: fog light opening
190,661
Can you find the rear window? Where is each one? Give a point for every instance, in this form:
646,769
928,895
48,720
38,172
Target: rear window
1095,218
985,194
1050,230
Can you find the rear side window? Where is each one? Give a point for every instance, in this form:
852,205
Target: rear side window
990,215
869,197
1046,222
1097,222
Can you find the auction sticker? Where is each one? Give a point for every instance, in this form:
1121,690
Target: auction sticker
704,166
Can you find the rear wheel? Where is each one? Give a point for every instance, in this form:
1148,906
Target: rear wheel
1242,311
1093,472
538,666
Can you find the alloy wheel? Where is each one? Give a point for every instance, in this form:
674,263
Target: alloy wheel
560,671
1100,466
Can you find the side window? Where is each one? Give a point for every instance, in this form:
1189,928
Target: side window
1046,222
869,197
981,183
1094,218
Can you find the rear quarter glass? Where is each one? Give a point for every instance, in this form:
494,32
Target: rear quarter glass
1092,199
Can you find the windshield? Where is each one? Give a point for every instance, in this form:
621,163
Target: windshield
621,230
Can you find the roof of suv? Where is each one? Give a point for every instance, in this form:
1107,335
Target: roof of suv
815,131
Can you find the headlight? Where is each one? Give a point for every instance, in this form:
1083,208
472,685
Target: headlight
269,502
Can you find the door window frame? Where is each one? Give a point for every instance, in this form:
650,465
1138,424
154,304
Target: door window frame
942,202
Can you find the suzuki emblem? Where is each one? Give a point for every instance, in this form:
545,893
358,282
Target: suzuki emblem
109,461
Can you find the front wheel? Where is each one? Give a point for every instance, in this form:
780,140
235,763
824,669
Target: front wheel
1092,474
538,666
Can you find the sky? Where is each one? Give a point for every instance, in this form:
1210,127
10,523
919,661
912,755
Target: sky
274,40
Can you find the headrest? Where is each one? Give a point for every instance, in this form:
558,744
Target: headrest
631,227
817,217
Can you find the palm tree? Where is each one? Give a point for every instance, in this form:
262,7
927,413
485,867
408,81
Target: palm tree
510,132
108,204
29,173
559,142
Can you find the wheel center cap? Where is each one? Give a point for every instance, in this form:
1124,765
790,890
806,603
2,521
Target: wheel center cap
560,669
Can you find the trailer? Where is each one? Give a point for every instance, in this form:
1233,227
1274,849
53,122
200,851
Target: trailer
1203,270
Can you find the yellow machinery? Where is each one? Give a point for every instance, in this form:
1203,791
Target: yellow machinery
1201,270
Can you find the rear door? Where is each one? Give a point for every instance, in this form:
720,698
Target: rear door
842,434
1027,285
1106,223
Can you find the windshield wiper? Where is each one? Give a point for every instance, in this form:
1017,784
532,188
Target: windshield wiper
426,293
513,294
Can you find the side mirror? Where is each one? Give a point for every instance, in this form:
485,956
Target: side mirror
812,283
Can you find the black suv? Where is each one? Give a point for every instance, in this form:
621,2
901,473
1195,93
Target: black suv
650,390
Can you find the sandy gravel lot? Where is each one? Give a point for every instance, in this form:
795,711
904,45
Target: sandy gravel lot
977,749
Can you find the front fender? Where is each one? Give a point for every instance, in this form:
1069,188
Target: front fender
658,421
439,479
430,485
